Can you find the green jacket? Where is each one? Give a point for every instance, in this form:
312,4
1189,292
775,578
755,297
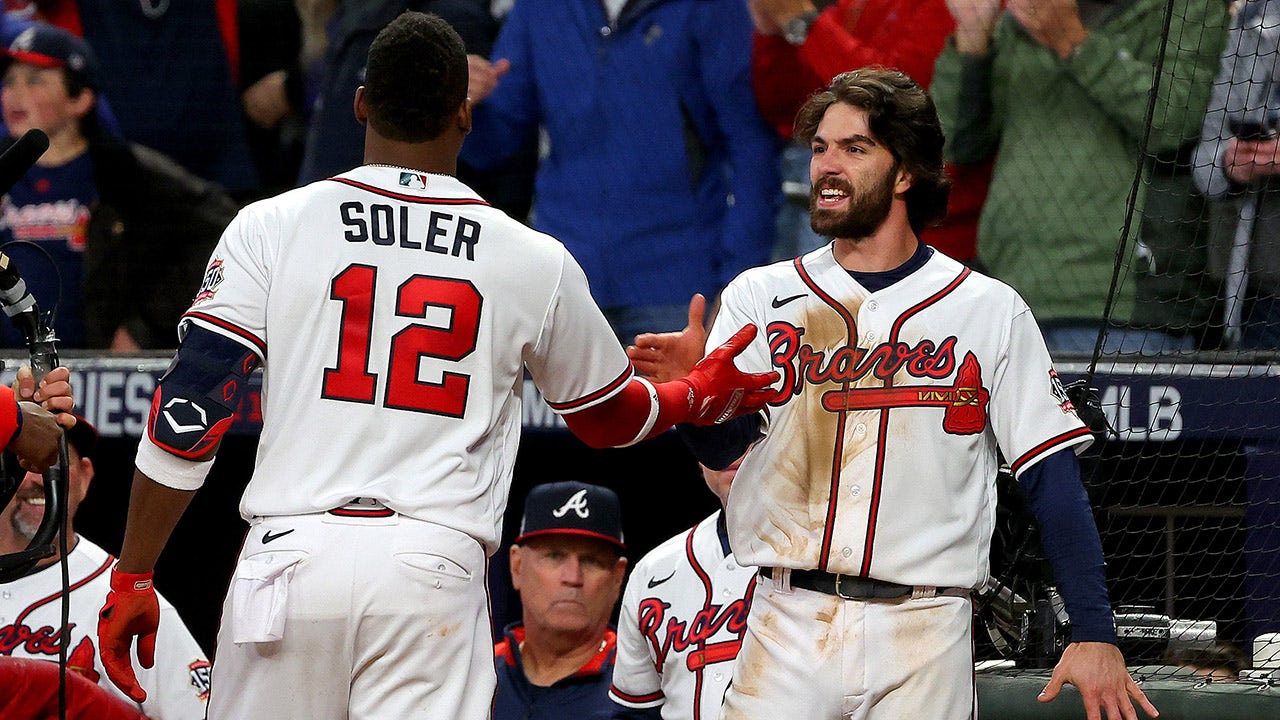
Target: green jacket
1066,134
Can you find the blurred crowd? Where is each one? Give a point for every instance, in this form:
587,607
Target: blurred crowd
653,137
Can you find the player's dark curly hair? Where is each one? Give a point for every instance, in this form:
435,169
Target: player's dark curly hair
416,78
902,116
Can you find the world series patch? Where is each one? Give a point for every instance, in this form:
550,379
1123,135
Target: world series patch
1059,392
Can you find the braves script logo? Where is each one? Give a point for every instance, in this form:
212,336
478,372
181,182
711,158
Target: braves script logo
679,635
964,402
577,503
35,641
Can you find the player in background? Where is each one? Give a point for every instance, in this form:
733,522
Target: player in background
31,607
395,313
869,500
567,565
684,613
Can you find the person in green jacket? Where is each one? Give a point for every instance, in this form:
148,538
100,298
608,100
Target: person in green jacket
1058,91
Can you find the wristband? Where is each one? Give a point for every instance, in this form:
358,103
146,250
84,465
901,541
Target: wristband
130,582
654,407
168,469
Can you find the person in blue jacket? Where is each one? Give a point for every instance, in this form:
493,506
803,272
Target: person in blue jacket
659,174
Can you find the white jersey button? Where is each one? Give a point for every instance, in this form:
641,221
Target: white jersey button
873,306
846,552
856,489
860,429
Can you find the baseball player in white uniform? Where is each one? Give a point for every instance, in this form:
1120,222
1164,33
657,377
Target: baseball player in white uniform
684,612
869,501
395,313
31,606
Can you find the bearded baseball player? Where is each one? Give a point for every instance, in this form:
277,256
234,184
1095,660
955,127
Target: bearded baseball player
868,503
395,313
31,607
684,612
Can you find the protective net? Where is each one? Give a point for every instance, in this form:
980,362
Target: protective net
1185,480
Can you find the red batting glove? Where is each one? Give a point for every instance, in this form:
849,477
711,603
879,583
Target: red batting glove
720,391
131,610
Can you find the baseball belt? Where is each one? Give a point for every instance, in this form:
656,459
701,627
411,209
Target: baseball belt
852,587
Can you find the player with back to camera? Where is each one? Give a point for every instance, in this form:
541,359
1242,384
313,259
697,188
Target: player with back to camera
395,313
869,501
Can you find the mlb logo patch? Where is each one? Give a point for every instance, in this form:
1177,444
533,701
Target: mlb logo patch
212,279
413,180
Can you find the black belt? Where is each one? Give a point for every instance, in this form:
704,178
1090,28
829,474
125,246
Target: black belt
852,587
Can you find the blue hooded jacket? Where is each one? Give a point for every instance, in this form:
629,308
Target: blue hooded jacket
660,176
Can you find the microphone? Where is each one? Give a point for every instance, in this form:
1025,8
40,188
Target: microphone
18,159
16,299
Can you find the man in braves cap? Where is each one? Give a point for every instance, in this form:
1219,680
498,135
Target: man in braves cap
568,567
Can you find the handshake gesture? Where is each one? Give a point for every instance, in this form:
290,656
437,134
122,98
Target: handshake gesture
718,390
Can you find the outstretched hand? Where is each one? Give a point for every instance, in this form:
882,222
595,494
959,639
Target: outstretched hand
720,391
663,357
1098,671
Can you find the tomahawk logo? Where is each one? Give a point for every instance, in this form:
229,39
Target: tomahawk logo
184,416
577,503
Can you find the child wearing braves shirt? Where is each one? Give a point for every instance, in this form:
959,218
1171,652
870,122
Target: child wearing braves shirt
113,234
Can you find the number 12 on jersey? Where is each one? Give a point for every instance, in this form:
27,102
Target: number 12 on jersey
351,380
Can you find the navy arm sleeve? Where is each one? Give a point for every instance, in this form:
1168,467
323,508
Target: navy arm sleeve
1071,543
717,446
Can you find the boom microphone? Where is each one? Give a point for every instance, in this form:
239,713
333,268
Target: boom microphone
18,159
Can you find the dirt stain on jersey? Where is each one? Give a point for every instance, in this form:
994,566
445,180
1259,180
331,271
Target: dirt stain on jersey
800,472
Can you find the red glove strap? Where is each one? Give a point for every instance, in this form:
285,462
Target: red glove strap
124,582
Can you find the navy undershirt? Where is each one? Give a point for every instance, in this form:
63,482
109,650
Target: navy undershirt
1054,493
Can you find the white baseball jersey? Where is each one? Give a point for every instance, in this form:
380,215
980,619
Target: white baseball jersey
31,615
684,612
879,455
395,312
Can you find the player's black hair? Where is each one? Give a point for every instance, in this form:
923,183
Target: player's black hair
416,78
902,116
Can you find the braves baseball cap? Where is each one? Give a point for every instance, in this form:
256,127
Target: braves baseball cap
83,437
48,46
572,508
